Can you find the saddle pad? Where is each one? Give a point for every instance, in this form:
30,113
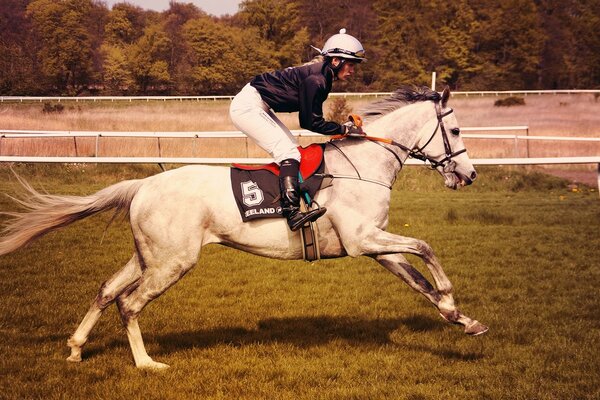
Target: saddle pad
257,193
311,156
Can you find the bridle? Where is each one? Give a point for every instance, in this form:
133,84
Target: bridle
446,163
418,152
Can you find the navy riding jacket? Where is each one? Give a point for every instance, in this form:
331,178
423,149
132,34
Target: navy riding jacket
302,89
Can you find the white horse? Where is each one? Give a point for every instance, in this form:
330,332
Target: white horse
200,210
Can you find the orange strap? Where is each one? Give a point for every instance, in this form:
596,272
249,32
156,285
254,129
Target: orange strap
357,121
373,138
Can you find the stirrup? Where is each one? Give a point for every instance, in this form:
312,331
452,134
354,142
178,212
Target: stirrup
300,218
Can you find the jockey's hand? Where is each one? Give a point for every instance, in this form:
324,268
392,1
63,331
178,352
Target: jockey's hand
355,119
353,130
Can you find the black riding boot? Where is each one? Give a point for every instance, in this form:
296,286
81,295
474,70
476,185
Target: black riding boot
290,196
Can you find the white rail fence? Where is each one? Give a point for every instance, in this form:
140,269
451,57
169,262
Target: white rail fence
299,133
40,99
98,135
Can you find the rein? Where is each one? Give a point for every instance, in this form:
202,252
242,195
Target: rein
445,163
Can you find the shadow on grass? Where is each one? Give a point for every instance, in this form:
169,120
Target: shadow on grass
302,332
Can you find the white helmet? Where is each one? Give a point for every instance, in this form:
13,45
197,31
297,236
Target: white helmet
344,46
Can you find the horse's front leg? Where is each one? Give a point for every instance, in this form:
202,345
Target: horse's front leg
385,248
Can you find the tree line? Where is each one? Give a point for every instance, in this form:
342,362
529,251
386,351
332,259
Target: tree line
71,47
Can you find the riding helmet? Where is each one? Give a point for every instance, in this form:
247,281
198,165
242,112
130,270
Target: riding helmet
344,46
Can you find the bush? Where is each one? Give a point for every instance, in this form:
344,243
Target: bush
50,108
339,110
510,101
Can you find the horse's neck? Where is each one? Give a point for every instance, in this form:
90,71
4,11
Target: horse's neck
369,158
402,125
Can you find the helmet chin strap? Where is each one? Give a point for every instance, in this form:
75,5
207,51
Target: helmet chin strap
337,68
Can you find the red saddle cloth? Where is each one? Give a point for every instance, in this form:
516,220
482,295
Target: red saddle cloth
312,157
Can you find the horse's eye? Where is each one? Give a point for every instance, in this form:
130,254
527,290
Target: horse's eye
455,131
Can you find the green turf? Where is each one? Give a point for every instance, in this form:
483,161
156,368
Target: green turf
521,249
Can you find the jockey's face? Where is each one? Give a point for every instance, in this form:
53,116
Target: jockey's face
347,69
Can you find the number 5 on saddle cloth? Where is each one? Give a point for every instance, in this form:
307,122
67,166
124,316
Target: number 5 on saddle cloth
257,195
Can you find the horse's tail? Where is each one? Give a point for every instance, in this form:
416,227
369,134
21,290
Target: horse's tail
45,212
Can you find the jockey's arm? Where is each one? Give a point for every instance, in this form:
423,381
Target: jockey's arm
311,109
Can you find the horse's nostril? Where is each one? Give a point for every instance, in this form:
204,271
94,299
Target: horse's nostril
473,175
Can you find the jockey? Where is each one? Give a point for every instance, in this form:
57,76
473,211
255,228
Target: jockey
302,89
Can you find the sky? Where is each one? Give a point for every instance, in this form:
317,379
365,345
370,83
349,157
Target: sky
215,7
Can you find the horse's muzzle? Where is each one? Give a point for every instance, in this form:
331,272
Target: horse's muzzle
465,180
468,180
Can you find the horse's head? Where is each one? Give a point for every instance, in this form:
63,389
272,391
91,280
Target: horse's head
419,121
440,143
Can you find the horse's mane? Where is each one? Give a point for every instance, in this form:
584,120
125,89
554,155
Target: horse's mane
402,97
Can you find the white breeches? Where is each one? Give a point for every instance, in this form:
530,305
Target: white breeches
251,115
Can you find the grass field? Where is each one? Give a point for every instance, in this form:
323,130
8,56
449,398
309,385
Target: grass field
522,251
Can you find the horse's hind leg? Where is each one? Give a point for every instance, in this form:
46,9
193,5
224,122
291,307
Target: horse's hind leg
106,295
154,281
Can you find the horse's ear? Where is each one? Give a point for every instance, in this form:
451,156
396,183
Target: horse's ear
445,96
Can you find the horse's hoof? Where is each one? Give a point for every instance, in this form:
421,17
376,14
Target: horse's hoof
75,354
74,358
476,328
153,365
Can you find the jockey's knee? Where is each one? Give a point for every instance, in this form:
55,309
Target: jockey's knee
291,152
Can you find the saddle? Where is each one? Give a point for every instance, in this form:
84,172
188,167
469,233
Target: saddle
256,187
312,158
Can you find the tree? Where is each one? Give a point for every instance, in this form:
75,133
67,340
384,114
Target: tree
148,59
418,38
223,58
66,54
17,50
586,25
277,22
455,61
570,58
408,41
509,53
126,23
68,46
118,76
119,29
175,18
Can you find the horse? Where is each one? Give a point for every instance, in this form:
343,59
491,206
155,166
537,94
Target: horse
169,235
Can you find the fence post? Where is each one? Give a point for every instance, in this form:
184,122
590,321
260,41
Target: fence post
527,134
